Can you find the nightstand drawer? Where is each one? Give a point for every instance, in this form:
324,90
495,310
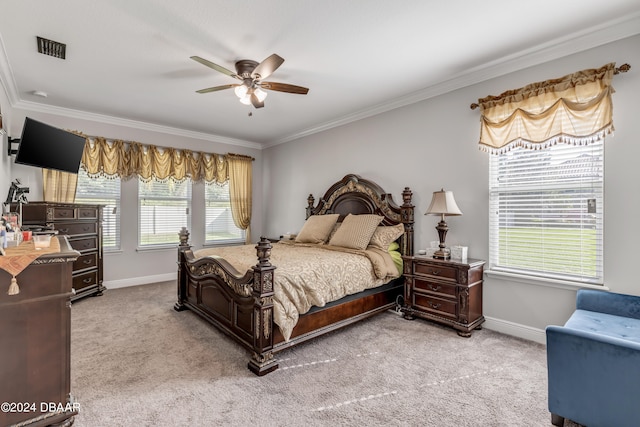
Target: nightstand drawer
435,305
437,271
443,290
76,228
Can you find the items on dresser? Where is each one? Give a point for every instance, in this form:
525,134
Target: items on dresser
444,291
82,224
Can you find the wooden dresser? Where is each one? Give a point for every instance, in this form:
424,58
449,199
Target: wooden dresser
444,291
82,224
35,340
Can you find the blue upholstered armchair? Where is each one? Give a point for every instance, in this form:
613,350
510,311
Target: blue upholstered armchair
593,362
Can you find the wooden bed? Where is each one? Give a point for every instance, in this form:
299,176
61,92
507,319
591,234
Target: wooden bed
240,304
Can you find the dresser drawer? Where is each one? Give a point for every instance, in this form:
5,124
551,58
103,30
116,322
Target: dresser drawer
76,228
444,290
86,279
85,261
62,212
436,271
87,213
84,245
438,306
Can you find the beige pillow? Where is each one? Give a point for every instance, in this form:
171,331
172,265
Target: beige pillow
355,231
384,236
316,228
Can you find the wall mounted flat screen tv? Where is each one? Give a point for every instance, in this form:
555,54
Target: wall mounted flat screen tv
45,146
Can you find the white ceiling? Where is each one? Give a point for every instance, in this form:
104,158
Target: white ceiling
128,60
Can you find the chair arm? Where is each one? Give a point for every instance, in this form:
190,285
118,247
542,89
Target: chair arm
608,302
593,379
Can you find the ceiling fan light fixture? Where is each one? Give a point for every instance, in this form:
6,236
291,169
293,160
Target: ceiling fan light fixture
241,91
246,100
260,94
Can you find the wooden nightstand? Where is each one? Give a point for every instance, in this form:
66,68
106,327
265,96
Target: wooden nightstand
447,292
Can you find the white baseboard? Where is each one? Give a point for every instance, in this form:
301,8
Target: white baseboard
135,281
515,329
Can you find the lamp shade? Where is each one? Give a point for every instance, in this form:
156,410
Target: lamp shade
443,203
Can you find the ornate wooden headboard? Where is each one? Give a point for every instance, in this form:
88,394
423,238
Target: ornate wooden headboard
355,195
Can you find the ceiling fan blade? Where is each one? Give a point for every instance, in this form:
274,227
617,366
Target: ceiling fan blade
216,88
216,67
284,87
267,67
256,102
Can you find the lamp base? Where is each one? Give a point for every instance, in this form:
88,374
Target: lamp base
442,254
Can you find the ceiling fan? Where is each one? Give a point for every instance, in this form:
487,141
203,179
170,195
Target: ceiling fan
252,74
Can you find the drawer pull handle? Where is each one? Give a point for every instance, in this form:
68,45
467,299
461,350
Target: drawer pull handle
87,280
87,261
63,213
434,306
434,287
435,272
64,230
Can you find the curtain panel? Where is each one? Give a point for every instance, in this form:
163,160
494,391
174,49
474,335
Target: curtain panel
240,193
59,186
574,109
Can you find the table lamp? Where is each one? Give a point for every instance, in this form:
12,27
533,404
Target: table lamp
443,204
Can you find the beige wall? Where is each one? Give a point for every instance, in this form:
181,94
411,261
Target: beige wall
433,144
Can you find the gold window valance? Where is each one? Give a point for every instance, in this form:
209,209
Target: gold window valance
133,159
575,109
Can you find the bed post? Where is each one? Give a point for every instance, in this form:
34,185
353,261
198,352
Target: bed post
182,279
262,361
310,202
406,212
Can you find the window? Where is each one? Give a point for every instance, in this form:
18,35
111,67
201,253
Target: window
219,226
546,212
103,191
163,209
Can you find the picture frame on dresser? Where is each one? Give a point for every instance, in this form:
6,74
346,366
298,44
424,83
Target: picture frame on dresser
82,225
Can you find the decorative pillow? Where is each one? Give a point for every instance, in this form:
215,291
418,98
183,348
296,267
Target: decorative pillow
316,228
396,256
333,231
383,236
355,231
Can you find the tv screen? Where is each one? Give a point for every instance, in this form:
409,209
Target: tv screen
48,147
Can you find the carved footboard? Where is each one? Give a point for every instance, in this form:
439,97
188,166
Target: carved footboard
241,305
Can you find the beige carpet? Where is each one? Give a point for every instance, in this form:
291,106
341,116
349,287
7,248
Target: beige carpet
137,362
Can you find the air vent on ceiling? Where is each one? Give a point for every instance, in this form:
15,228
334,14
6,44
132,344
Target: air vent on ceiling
51,48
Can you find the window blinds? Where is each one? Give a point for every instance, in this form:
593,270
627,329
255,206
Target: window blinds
220,227
103,191
163,209
546,212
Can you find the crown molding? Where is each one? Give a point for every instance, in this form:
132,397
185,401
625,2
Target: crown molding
573,43
119,121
